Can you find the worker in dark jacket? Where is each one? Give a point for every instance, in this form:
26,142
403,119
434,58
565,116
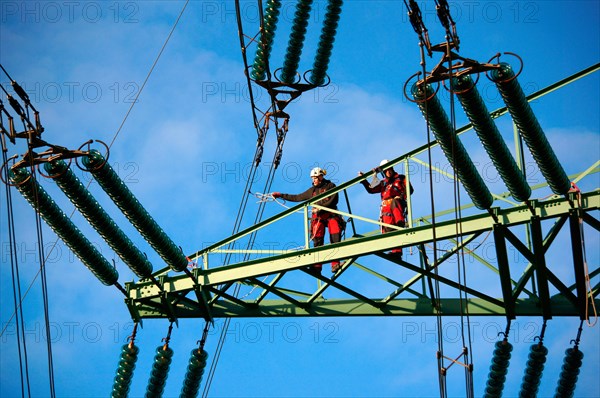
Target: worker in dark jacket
393,200
320,218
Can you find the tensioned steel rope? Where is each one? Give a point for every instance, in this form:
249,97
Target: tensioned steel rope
110,145
262,132
227,321
445,131
421,30
460,256
414,14
258,217
221,341
31,133
452,40
16,281
223,289
42,272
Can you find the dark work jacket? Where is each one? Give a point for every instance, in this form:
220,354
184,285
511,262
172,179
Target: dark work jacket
325,185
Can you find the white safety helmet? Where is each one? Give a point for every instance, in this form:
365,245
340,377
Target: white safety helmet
383,162
317,171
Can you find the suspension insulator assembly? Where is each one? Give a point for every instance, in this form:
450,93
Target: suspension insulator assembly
296,41
330,24
265,45
455,152
98,218
160,372
530,129
134,211
195,371
569,373
490,137
129,355
63,226
498,369
533,371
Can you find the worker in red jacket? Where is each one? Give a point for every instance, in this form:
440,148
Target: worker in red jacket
393,200
320,218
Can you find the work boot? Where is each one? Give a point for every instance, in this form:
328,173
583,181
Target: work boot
336,266
396,253
314,270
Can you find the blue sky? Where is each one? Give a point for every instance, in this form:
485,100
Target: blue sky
189,139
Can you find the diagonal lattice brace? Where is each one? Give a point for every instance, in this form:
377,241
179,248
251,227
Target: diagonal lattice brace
552,233
540,266
273,283
229,297
322,288
504,271
578,265
429,273
276,291
438,262
144,292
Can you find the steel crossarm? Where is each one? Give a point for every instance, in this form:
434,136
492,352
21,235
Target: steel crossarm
145,300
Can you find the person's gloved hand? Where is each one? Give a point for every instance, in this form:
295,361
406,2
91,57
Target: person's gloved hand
364,182
276,195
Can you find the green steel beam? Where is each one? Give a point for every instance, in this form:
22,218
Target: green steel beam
380,243
302,207
146,301
422,272
504,271
276,292
593,274
503,196
221,293
290,292
429,272
562,288
540,266
323,287
401,287
595,168
352,307
273,283
591,221
369,245
520,285
578,258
